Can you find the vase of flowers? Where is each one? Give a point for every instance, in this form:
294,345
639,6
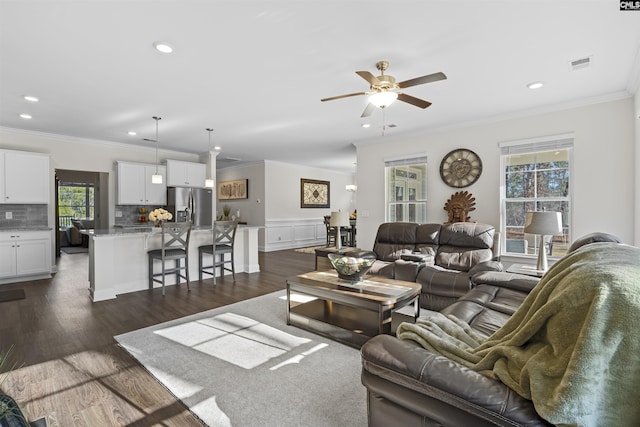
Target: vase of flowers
158,216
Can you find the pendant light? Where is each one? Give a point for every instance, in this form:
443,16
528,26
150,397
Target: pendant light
209,181
156,178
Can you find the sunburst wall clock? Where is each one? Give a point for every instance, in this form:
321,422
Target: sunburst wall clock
314,193
460,168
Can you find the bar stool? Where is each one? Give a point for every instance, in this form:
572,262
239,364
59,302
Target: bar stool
224,236
175,246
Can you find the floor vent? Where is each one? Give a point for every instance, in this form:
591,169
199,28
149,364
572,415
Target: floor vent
578,64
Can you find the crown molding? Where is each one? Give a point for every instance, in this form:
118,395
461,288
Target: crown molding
578,103
87,141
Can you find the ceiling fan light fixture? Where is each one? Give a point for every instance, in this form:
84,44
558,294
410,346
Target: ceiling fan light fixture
383,99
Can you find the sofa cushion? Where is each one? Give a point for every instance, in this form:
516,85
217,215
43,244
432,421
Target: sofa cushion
446,284
461,258
394,239
407,270
467,234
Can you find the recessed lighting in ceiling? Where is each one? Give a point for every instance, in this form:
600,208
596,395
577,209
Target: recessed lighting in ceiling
131,133
535,85
31,98
163,47
26,116
366,125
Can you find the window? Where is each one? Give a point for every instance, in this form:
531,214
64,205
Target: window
406,190
75,200
535,176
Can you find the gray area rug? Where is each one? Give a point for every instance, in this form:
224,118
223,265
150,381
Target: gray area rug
241,365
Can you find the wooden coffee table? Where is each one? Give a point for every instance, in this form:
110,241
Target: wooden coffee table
348,312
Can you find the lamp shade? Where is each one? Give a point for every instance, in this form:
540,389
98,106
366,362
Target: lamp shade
351,187
383,99
339,219
156,178
543,223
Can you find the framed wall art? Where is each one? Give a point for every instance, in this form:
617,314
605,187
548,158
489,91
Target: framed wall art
314,193
230,190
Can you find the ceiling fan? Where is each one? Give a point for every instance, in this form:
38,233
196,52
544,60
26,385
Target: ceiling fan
384,89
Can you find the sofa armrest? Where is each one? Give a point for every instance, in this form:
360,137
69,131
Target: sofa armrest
486,266
406,364
518,282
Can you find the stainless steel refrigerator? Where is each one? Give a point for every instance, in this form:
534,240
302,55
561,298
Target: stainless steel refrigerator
190,204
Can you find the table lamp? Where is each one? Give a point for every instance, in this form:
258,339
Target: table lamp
338,220
544,224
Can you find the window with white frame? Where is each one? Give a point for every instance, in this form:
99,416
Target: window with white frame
536,176
406,190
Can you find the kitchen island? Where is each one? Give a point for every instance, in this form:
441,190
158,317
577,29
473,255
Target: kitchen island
118,260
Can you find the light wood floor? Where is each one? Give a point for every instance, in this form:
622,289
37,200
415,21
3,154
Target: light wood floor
74,374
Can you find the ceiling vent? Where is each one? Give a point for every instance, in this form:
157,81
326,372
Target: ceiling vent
578,64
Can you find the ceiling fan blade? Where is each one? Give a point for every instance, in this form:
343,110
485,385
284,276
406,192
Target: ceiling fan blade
422,80
343,96
369,110
373,80
413,100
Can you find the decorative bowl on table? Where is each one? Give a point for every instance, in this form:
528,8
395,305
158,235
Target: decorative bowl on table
349,267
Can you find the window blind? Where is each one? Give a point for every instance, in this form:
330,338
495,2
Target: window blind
530,146
405,161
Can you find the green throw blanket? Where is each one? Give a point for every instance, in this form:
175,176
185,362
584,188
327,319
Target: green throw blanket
573,347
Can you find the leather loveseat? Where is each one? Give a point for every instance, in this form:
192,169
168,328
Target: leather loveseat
441,257
408,385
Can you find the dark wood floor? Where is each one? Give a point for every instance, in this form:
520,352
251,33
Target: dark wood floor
74,374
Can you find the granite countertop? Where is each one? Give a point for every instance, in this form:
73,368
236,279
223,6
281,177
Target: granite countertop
37,228
115,231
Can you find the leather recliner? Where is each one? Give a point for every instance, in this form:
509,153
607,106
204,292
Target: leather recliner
441,257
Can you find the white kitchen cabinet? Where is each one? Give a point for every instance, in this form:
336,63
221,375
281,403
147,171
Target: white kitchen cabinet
24,177
185,174
135,186
24,254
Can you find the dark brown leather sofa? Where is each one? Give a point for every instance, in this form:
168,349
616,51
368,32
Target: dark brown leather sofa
441,257
408,385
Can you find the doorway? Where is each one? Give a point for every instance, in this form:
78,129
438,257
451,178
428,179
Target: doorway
81,202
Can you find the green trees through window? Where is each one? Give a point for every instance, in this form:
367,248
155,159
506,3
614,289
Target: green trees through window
536,178
75,201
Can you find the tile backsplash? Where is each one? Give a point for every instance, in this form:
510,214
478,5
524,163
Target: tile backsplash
23,216
130,215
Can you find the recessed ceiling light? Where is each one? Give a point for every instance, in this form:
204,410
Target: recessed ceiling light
366,125
535,85
31,98
26,116
163,47
132,133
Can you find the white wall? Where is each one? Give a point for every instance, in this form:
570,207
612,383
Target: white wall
604,187
274,202
252,208
287,225
636,119
83,155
